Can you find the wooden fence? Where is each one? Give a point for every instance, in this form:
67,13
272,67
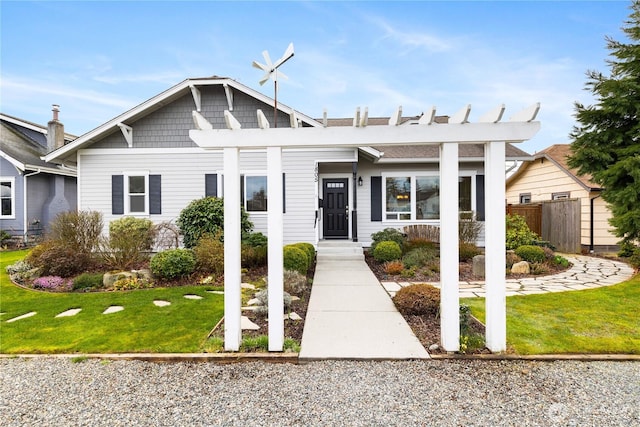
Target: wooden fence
557,221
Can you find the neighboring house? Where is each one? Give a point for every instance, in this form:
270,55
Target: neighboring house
144,163
548,177
33,191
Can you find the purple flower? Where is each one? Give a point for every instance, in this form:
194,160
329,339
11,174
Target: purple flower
52,283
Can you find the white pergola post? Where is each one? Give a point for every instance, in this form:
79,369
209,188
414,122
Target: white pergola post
275,234
449,267
232,264
495,248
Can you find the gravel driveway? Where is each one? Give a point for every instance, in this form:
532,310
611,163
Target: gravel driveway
57,392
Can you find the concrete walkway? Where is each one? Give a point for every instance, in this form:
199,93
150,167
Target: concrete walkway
586,273
350,316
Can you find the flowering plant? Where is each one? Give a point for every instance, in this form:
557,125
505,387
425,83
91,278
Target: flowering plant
52,283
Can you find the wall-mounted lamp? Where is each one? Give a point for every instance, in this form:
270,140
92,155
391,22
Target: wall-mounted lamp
360,181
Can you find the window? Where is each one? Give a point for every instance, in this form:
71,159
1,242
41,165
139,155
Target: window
417,197
559,196
7,198
255,194
136,191
525,198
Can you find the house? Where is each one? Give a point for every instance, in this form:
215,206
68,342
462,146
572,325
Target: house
305,182
144,163
33,191
548,178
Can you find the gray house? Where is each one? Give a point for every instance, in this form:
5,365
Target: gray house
144,163
33,191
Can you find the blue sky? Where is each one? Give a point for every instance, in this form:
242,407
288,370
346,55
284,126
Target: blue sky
99,59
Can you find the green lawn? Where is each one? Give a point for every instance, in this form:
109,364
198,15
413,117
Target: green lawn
140,327
602,320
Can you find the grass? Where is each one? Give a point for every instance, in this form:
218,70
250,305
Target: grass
603,320
141,327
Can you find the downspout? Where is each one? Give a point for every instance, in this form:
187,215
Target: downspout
591,227
24,205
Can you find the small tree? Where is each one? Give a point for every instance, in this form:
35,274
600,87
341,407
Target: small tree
606,142
204,216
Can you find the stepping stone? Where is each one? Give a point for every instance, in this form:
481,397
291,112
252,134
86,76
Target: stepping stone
252,308
292,316
253,301
294,298
161,303
216,292
70,312
113,309
24,316
247,286
247,324
191,296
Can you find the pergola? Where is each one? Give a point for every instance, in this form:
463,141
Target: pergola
489,130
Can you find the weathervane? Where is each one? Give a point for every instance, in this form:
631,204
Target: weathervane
271,72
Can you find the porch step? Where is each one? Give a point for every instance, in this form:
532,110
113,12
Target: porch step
340,250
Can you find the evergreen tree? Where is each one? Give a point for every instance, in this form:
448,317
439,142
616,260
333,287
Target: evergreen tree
606,142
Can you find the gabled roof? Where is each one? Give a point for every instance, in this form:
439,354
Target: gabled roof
25,152
160,100
557,154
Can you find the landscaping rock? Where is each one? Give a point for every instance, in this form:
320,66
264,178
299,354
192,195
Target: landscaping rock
521,267
478,265
143,274
434,347
110,278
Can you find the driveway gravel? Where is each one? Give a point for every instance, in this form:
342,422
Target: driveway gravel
58,392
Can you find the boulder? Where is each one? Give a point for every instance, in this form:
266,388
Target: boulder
110,278
521,267
478,265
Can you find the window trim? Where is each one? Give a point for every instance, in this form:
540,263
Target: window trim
522,196
127,194
412,174
244,197
561,195
12,181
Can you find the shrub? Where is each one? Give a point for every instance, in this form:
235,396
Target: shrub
531,253
22,272
419,257
253,256
55,259
512,258
560,260
387,235
295,259
173,263
387,251
418,299
393,267
87,281
518,232
294,282
78,231
538,268
52,283
130,240
263,298
254,239
309,249
209,254
204,216
467,251
4,235
418,242
469,228
130,283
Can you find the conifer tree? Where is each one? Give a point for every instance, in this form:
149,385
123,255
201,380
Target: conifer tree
606,140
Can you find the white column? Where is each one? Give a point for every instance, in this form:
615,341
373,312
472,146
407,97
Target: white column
449,242
232,265
495,248
275,235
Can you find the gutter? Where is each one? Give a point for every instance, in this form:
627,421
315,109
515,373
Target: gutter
24,204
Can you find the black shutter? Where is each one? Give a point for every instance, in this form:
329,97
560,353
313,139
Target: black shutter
284,200
117,194
376,198
211,185
155,192
480,197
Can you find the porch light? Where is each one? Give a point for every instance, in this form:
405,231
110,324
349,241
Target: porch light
360,181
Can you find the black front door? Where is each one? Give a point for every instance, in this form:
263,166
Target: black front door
335,218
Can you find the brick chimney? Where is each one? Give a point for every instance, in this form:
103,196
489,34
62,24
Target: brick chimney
55,134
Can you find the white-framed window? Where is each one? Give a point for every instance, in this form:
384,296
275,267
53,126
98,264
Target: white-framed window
416,196
254,193
525,198
7,197
560,196
136,190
